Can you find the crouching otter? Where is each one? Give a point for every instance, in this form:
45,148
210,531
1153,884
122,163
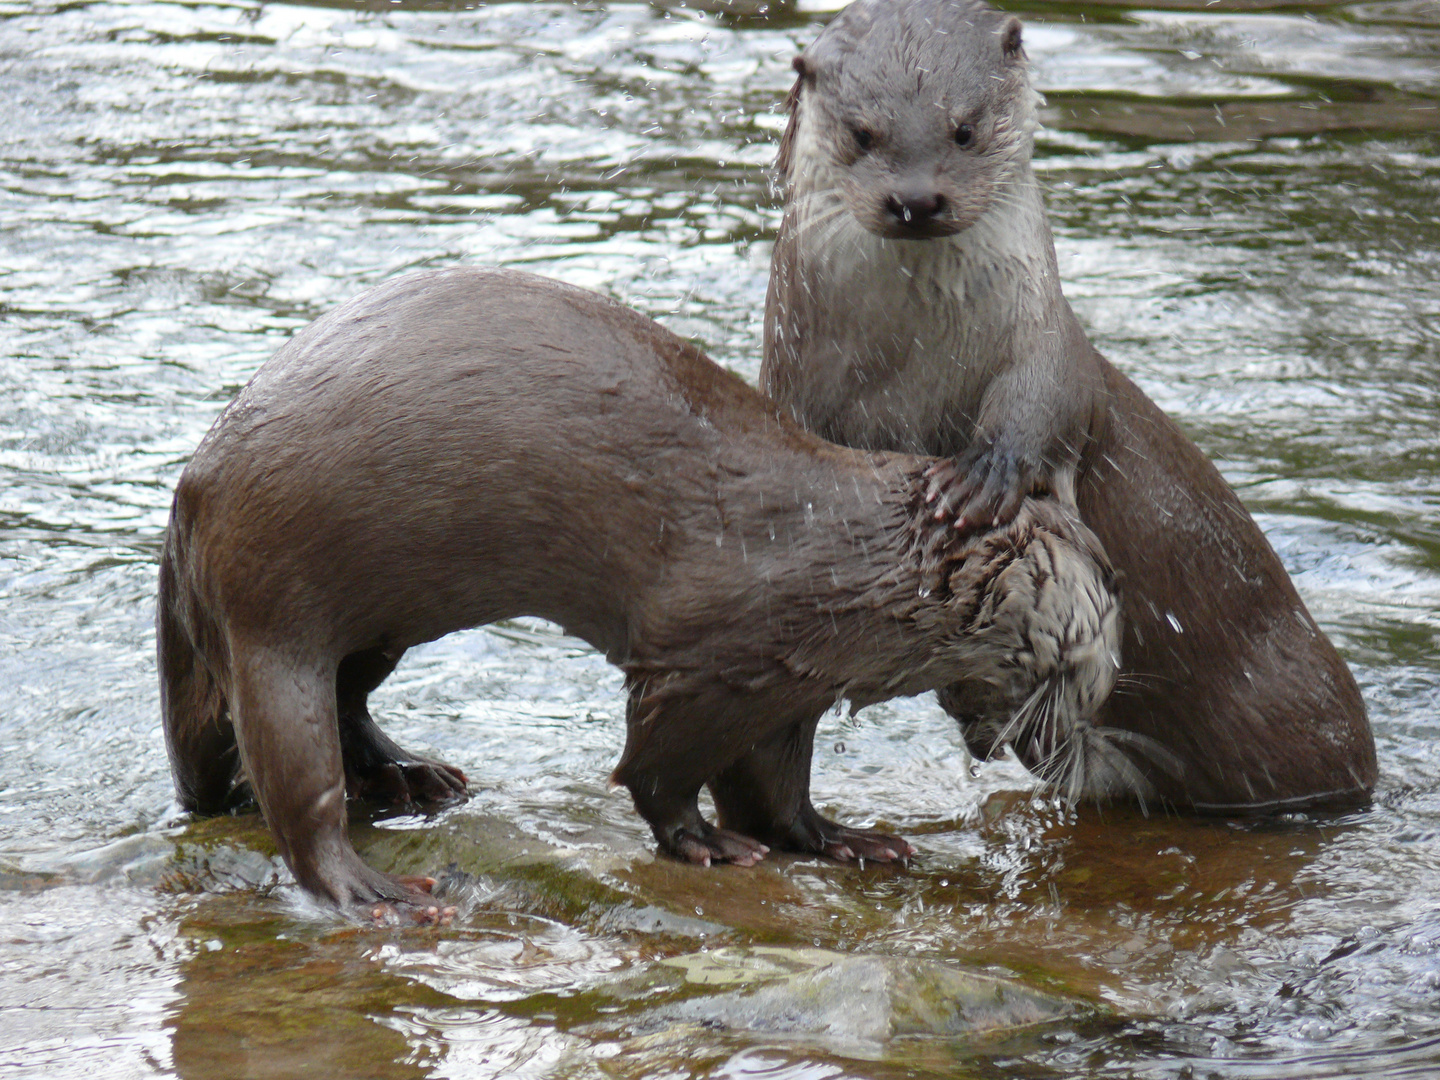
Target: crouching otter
457,447
915,305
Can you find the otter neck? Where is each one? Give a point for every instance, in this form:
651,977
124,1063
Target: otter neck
848,564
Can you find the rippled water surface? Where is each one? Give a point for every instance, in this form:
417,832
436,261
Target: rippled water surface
1245,198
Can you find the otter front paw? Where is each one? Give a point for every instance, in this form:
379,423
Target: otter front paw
416,906
982,488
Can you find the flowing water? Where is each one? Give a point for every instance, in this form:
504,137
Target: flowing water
1245,198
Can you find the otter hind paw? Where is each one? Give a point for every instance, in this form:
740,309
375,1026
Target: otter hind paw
407,781
717,846
844,844
417,908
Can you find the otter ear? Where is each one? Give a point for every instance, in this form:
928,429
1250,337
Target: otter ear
1010,38
805,76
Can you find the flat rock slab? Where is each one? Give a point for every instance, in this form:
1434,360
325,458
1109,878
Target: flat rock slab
817,993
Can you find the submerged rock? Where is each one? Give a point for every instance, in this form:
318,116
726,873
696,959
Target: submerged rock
814,992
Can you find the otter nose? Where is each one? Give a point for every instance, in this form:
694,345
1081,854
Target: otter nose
914,206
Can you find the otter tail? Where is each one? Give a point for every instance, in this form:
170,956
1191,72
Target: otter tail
199,738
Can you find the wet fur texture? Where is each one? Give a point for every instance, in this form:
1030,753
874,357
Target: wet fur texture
958,341
458,447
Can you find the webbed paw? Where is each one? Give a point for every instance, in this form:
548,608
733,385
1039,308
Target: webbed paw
711,845
405,781
414,907
844,844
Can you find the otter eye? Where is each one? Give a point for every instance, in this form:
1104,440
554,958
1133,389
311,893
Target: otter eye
863,136
964,135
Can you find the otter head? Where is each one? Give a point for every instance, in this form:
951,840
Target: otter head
1035,646
917,112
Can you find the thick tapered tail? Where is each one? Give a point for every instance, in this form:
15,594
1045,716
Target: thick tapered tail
199,738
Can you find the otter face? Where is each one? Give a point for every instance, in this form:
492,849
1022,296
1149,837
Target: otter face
916,112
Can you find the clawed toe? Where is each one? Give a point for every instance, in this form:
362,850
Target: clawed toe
410,782
416,907
432,781
719,845
856,845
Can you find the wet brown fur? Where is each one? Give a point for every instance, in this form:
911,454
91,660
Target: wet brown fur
964,344
458,447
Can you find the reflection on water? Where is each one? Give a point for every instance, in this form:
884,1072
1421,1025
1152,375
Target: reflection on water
1244,196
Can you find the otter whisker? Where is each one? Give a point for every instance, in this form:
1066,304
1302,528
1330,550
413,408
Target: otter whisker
1133,683
1157,753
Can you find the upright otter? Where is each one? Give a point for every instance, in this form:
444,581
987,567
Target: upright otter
463,446
915,305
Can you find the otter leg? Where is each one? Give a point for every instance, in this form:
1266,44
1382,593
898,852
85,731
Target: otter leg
285,722
673,740
198,736
766,793
375,767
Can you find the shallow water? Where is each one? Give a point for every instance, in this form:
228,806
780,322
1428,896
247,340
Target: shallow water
1245,201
